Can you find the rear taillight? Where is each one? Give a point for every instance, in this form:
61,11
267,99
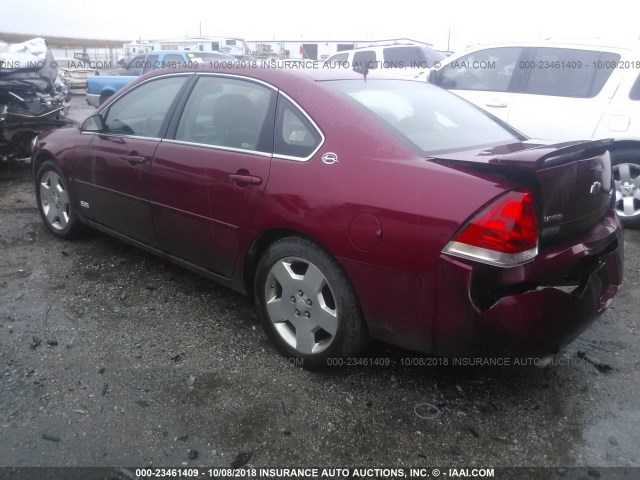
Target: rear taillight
504,234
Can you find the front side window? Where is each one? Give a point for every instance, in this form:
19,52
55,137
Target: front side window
338,60
485,70
142,111
567,72
228,112
430,119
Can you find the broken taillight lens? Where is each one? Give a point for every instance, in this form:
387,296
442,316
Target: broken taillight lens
504,234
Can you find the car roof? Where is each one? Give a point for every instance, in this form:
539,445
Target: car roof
550,43
278,75
384,46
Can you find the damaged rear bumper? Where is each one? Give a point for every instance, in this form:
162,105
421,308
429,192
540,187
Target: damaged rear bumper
533,309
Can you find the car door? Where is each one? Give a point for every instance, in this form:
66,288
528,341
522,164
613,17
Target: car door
485,77
209,174
113,164
564,92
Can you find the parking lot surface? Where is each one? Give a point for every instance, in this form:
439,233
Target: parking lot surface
112,357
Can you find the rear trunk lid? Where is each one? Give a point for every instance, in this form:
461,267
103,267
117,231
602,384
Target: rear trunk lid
572,181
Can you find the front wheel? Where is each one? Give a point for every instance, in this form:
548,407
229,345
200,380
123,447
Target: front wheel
626,176
308,305
54,201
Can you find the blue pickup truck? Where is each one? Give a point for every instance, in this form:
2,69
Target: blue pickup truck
100,88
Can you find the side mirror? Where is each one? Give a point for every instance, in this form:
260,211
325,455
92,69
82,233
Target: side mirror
94,123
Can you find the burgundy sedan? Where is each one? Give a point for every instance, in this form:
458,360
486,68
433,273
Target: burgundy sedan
349,207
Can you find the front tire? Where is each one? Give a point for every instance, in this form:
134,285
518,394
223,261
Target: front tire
626,175
54,201
308,305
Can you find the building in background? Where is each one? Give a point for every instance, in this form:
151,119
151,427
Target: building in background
229,45
317,49
110,51
104,51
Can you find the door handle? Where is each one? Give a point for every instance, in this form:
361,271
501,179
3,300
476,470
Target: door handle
134,159
496,104
244,180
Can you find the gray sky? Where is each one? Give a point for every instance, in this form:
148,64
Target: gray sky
471,22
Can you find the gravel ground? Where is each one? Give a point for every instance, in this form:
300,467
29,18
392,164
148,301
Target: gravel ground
112,357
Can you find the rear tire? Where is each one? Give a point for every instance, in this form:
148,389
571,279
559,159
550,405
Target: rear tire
54,201
626,175
308,305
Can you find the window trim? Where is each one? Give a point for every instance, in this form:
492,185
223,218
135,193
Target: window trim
172,129
313,124
217,147
188,86
104,112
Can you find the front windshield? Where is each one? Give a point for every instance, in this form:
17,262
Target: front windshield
428,117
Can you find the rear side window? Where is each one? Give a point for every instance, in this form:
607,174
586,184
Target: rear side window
173,61
403,57
566,72
230,113
295,135
365,59
486,70
635,90
142,111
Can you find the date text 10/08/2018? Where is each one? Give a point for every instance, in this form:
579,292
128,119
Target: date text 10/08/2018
268,473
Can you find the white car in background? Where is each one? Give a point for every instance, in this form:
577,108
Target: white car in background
403,59
75,71
559,92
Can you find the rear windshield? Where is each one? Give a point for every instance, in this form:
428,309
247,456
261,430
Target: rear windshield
429,118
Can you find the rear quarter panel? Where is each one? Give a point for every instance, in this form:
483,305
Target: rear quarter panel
419,204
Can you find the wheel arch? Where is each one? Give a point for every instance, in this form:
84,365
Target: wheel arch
42,157
625,144
260,244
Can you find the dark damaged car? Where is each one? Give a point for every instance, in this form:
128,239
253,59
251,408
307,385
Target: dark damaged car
348,208
32,97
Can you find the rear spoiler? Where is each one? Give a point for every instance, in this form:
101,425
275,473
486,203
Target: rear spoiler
555,154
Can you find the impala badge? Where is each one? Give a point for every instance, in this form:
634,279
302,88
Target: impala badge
595,188
330,158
